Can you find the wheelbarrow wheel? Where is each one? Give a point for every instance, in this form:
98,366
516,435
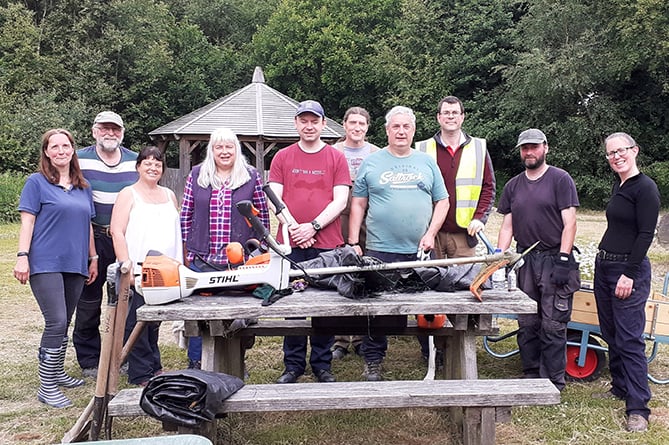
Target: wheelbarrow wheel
595,360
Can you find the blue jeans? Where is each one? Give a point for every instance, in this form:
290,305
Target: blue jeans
295,346
622,323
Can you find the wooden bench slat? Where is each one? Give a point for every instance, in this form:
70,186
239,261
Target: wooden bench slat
365,395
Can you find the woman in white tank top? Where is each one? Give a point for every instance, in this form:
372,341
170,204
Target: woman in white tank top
145,217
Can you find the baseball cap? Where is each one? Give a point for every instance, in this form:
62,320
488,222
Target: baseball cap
531,136
310,106
108,117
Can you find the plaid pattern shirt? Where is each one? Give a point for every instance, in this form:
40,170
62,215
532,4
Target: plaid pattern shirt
220,214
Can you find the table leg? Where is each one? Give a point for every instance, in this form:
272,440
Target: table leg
223,354
460,363
460,356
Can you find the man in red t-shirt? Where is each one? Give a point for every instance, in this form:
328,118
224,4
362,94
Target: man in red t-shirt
313,179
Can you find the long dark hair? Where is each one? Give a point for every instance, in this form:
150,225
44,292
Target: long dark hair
50,172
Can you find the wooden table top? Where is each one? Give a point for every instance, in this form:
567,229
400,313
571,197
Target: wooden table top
326,303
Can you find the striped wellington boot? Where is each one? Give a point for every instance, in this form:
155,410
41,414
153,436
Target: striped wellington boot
48,391
63,379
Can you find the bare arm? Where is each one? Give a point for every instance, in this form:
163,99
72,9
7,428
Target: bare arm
119,223
357,214
505,235
92,257
22,268
439,212
569,230
335,207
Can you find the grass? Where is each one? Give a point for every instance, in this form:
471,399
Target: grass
578,419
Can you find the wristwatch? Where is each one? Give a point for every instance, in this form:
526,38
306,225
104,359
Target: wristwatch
317,226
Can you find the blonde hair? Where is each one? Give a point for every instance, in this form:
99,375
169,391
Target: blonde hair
240,174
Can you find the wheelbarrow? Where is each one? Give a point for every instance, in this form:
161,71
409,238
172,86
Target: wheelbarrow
586,350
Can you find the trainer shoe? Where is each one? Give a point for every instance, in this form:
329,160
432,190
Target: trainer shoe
373,371
325,376
636,423
338,353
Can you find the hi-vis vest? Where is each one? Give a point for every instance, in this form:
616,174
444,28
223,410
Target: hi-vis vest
468,179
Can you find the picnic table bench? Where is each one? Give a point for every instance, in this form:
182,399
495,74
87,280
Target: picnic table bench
484,402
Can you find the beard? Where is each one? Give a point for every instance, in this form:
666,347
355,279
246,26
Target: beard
109,145
534,163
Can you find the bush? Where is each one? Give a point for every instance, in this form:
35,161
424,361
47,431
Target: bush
11,185
659,172
593,192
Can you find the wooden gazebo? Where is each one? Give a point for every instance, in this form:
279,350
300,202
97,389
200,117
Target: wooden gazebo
261,117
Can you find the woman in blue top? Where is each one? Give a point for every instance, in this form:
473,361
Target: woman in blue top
55,253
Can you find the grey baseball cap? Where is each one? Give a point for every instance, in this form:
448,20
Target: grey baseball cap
108,117
531,136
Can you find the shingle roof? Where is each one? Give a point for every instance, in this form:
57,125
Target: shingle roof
255,110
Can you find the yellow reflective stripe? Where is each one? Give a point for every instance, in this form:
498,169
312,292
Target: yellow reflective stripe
429,146
469,178
468,181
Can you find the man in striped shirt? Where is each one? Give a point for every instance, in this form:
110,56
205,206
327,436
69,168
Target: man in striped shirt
108,167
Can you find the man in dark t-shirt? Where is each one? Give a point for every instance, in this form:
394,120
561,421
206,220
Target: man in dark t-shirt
540,205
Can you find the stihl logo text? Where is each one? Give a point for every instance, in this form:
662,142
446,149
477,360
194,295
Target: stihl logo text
224,279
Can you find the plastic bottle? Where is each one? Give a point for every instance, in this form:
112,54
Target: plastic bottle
511,284
499,276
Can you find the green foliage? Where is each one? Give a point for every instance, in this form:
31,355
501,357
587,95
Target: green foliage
11,185
659,172
577,69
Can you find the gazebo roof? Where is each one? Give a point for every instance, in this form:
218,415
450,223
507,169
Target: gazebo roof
252,111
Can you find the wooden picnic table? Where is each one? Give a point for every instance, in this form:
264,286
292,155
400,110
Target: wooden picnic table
468,318
322,311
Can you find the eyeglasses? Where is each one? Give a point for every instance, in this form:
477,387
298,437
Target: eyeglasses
109,129
450,113
622,151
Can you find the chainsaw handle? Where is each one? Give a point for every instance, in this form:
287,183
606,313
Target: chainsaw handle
276,202
251,215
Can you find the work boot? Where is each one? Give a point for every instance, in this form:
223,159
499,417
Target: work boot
325,376
636,423
373,371
48,391
61,378
288,377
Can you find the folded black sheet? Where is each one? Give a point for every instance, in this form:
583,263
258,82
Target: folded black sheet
188,397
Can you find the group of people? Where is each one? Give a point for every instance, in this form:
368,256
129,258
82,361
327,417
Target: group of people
391,203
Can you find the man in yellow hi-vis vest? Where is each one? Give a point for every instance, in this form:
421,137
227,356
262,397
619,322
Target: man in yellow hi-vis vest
467,169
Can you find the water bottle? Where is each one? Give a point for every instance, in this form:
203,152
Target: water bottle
499,276
512,284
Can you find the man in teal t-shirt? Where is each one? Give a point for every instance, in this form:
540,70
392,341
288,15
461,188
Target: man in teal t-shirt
406,201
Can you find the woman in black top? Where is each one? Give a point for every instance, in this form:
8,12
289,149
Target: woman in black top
623,277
